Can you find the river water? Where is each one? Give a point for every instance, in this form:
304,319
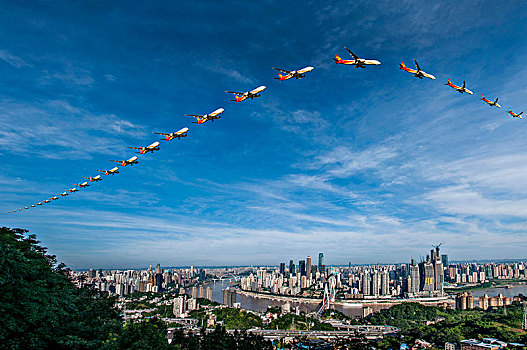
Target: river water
261,304
492,292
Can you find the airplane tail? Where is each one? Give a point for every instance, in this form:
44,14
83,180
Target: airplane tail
337,58
448,82
402,66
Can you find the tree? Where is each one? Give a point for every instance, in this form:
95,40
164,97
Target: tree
39,305
143,334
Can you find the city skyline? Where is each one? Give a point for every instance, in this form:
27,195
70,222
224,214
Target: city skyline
366,165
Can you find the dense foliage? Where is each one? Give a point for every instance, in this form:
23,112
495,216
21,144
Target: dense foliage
40,307
237,319
143,334
219,339
298,322
405,314
438,326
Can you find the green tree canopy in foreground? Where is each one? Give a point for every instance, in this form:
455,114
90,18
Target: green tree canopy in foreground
40,307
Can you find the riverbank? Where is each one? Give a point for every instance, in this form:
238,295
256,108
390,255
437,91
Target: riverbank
486,285
350,302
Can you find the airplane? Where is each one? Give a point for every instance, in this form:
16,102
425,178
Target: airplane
460,89
54,198
297,74
32,205
490,103
416,72
39,203
519,115
174,135
249,94
356,61
200,119
46,200
73,190
64,194
94,179
112,171
143,150
26,207
130,161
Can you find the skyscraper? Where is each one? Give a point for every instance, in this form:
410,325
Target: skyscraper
439,272
366,283
385,283
426,274
320,262
282,269
414,278
302,267
308,267
227,299
444,257
291,268
375,283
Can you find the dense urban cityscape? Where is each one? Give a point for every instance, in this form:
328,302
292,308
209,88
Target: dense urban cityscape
196,297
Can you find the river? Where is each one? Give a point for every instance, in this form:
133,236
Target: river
492,292
261,304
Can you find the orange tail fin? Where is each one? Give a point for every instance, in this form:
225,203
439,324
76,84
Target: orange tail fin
402,66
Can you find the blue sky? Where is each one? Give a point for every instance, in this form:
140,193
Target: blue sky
366,165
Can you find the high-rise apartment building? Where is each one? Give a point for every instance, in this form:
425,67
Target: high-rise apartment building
308,267
414,279
179,307
385,283
229,297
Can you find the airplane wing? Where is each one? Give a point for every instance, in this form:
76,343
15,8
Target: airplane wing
161,133
133,148
352,54
235,92
417,65
283,70
192,115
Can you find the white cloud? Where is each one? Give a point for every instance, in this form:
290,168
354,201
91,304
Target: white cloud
13,60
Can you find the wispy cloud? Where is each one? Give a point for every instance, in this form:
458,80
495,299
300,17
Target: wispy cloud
59,130
13,60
